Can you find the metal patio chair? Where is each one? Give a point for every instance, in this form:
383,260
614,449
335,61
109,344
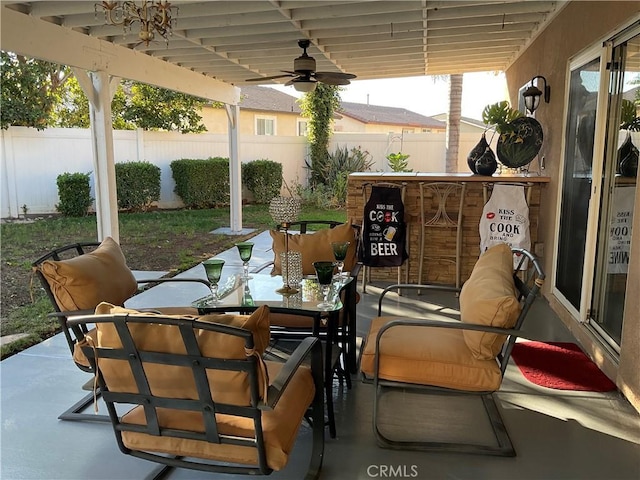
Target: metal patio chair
465,357
76,278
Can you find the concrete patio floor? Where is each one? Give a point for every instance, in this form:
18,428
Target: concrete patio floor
557,434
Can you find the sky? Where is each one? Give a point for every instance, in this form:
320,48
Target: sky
425,95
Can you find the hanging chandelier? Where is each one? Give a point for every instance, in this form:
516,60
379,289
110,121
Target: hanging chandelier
153,16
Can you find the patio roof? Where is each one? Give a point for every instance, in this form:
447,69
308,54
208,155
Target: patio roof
217,45
233,41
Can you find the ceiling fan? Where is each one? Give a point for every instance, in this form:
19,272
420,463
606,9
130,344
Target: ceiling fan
304,73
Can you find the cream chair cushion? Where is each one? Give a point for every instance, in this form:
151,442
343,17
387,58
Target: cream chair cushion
428,356
315,247
82,282
174,381
489,297
280,427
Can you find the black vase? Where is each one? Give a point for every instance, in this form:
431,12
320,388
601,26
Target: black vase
476,153
628,159
486,164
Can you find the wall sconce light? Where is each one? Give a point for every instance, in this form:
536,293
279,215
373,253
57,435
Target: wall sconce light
532,94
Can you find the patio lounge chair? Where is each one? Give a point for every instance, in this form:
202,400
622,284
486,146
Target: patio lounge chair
203,397
76,278
467,357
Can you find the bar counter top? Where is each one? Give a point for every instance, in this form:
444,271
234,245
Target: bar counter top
445,177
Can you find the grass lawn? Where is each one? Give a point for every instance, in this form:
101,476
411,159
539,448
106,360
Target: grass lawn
167,240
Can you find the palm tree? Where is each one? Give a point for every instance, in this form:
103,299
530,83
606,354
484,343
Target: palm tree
453,122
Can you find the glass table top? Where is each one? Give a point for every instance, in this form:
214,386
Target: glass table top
261,290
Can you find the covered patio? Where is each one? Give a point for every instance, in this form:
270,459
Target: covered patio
557,434
218,46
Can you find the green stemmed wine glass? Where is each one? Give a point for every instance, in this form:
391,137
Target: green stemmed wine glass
245,250
324,273
340,253
213,268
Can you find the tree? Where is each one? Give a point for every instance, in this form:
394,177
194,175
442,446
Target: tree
30,90
453,122
42,94
319,106
154,108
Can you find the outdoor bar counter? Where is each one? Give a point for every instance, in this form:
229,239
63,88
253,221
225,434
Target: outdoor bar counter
440,240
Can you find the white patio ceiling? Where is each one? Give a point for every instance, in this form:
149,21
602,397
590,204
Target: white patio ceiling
233,41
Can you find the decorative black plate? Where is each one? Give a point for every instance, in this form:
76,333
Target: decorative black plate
518,147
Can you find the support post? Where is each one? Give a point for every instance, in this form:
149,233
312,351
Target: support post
235,180
99,89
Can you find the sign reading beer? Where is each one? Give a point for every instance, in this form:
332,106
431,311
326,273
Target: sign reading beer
384,229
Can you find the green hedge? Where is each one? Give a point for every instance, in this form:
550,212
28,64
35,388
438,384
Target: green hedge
138,185
202,183
263,178
74,192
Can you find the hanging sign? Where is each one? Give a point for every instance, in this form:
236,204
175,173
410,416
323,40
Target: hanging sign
384,229
620,229
505,219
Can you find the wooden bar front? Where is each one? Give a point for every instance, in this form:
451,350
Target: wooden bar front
440,240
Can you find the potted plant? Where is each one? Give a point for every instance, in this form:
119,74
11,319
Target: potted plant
520,137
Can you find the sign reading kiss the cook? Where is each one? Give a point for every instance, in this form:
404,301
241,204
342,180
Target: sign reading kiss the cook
384,229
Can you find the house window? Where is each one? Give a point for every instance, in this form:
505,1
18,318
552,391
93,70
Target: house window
302,128
265,126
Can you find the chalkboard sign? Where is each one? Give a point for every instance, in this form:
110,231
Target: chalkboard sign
384,229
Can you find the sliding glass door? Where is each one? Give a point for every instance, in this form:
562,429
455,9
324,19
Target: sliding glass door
619,180
602,137
577,179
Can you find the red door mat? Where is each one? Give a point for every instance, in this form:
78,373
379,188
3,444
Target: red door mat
562,366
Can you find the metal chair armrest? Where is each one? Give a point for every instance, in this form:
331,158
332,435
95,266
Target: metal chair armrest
174,279
70,313
414,322
413,286
309,346
259,268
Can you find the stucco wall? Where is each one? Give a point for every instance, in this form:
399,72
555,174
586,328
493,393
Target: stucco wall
579,26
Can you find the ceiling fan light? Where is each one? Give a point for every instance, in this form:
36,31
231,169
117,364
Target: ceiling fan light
304,86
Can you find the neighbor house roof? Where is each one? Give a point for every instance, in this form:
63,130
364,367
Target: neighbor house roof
469,120
253,97
272,100
388,115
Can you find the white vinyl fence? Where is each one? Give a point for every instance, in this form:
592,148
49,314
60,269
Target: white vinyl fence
32,159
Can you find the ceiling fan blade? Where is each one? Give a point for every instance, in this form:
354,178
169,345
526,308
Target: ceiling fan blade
332,80
324,75
269,78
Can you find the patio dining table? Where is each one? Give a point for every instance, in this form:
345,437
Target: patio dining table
239,294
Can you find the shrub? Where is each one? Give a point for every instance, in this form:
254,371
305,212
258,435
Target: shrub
398,162
263,178
334,173
74,192
202,183
138,185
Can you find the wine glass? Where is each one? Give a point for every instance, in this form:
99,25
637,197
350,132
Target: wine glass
340,253
324,273
245,249
213,268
